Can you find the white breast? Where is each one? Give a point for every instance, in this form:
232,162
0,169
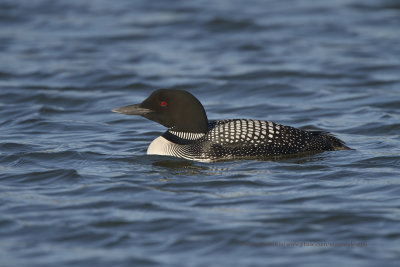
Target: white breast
163,147
160,146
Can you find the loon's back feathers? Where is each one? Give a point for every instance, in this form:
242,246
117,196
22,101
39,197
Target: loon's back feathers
221,139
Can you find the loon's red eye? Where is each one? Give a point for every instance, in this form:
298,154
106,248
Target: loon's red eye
163,103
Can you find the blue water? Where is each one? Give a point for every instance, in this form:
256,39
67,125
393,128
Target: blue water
76,185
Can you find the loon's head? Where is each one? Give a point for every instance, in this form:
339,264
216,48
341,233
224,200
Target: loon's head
177,110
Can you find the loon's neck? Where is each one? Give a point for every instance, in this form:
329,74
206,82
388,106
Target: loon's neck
187,135
182,138
191,120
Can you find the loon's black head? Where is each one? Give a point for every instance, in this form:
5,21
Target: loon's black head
177,110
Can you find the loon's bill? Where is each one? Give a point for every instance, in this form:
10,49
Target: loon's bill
132,110
192,136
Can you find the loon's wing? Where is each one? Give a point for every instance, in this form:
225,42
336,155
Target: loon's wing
264,138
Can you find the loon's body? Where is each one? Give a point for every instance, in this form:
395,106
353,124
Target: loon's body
191,136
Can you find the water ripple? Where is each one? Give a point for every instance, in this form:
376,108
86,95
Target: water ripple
76,185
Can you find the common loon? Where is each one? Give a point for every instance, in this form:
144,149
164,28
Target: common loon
191,136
